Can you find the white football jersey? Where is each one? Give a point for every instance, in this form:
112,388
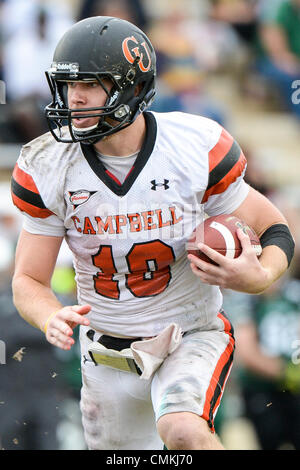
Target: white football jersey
129,240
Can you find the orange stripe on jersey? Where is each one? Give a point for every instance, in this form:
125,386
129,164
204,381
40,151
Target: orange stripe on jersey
26,196
220,375
34,211
221,149
24,179
226,172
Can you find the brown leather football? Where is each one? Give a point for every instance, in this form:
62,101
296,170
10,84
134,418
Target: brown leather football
219,233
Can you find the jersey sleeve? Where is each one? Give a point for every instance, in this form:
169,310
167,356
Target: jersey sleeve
226,188
39,219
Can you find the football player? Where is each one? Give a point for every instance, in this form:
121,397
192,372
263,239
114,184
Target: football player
125,187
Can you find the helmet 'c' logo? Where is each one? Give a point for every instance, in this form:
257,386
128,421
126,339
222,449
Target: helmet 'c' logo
131,53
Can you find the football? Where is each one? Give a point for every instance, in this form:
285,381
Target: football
219,233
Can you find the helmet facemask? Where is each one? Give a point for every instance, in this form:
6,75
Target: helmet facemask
122,106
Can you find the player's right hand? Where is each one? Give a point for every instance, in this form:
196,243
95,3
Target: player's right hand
60,326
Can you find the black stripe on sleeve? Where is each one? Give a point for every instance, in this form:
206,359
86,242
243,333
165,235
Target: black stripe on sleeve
227,163
27,196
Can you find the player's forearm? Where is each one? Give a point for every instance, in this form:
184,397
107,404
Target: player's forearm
34,301
274,261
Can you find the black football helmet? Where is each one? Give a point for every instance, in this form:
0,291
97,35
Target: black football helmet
100,48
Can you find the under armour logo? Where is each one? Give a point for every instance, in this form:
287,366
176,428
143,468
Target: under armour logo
155,184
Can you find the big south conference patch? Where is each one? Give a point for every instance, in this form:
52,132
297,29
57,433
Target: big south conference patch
80,197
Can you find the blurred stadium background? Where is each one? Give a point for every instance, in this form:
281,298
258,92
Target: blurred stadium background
235,61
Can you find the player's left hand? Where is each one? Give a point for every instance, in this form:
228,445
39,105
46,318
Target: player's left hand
244,274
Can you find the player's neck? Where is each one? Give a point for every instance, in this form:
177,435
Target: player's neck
125,142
